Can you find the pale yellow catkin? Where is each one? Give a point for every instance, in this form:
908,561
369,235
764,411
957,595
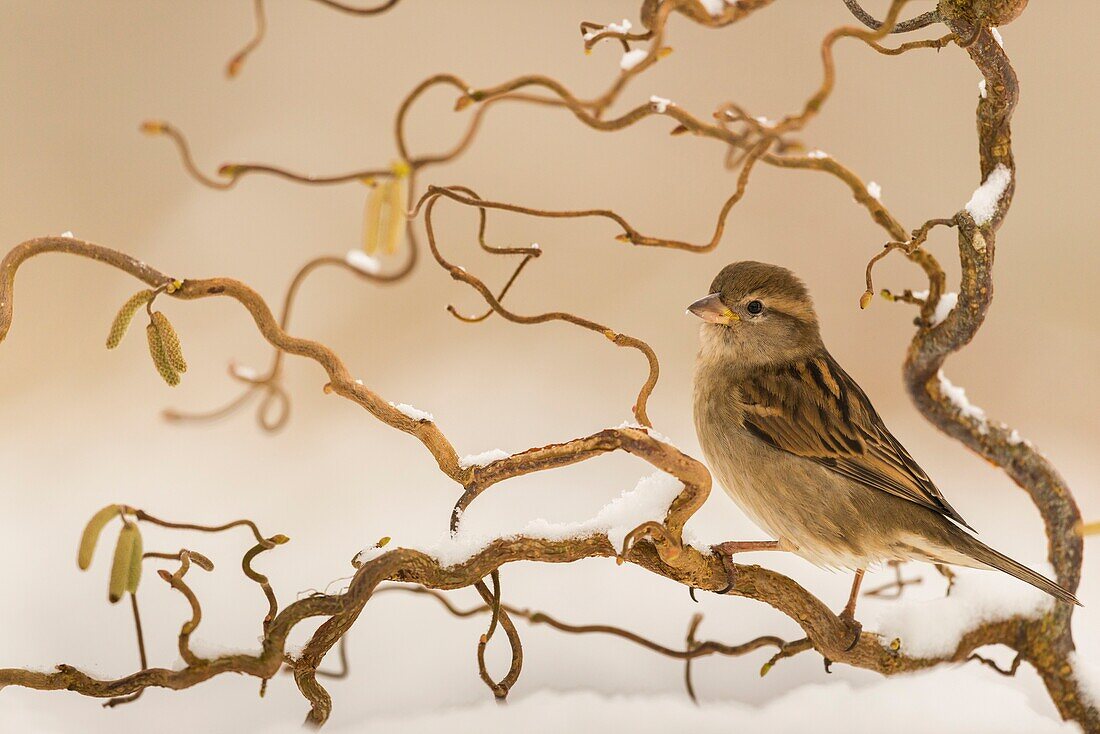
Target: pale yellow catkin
160,358
91,533
136,552
120,569
125,315
372,219
395,216
170,341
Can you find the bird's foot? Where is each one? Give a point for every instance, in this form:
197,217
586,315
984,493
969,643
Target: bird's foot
854,628
731,571
725,552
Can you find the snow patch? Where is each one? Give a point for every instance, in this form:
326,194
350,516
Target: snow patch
997,36
415,413
631,59
67,234
933,628
660,103
983,203
623,27
648,500
981,88
817,154
1088,676
361,261
874,190
714,7
369,554
957,396
482,459
638,426
943,308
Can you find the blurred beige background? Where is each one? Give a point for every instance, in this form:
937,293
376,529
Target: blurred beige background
81,426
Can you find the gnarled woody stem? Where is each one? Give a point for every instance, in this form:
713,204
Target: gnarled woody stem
664,554
1047,642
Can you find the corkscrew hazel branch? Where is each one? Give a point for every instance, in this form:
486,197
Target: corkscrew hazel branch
233,68
1045,643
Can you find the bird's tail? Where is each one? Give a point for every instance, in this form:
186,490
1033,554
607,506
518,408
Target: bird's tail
982,553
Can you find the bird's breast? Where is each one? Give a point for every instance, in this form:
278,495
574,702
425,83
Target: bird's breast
790,498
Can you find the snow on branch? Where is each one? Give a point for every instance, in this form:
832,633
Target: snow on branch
647,500
935,627
983,203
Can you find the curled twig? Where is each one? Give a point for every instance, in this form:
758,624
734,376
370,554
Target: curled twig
913,24
1008,672
233,68
175,580
259,578
692,649
428,202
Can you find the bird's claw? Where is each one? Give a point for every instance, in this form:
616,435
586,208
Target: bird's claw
854,627
731,572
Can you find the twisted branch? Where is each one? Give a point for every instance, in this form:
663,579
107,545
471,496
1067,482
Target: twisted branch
1045,643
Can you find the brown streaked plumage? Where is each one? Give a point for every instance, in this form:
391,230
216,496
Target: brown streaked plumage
797,444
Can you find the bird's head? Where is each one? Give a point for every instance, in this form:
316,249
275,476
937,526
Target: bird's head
757,313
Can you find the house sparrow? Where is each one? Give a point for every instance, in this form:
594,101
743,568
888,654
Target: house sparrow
798,446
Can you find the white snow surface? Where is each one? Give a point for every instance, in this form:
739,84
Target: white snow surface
983,203
966,699
714,7
648,500
362,262
933,627
485,457
623,27
957,396
660,103
874,190
631,59
817,154
981,87
415,413
67,234
369,554
1088,674
634,424
947,302
997,35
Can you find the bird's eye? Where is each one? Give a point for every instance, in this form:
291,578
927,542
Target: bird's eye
755,308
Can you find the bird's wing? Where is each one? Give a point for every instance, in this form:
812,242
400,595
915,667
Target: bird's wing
812,408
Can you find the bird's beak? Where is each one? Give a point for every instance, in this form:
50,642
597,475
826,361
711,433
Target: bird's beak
712,310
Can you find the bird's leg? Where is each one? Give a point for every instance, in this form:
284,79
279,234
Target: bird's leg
948,574
848,615
726,550
894,589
